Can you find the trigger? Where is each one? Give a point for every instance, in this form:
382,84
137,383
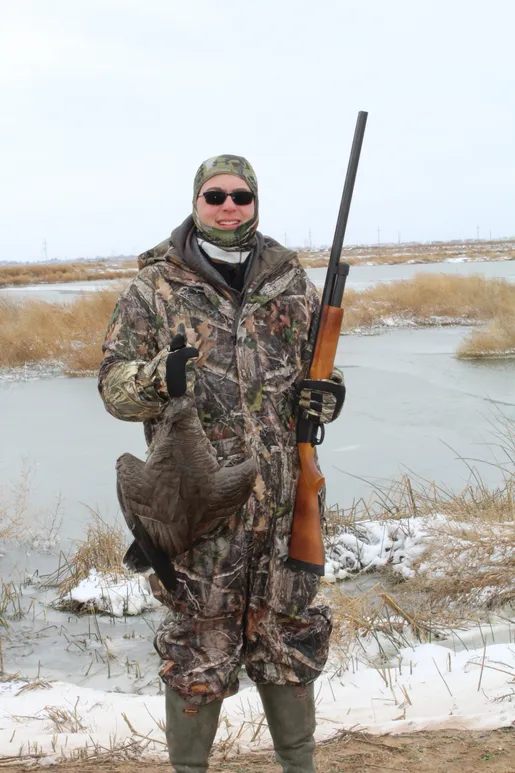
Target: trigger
319,439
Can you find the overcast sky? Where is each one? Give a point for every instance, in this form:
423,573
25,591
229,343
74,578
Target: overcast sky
109,106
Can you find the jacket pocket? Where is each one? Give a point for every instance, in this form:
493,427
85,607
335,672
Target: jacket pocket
290,593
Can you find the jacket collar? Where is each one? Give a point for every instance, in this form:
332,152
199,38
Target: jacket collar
267,257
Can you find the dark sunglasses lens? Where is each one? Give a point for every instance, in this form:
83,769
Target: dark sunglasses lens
215,198
242,198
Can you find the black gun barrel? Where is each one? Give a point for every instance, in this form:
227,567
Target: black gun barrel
335,280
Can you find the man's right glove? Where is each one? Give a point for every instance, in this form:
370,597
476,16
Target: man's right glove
176,364
322,400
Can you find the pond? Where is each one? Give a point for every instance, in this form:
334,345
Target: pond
362,277
409,403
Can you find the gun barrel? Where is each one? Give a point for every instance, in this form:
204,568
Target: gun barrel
343,214
306,550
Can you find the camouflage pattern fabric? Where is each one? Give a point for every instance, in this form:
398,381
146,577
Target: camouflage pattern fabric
322,405
236,602
240,237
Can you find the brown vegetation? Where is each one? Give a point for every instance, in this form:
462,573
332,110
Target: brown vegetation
473,535
15,505
429,299
452,751
380,254
102,549
497,339
77,271
72,334
35,331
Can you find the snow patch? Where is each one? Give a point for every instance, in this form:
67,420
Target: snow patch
116,595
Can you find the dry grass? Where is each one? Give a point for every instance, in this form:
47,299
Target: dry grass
477,540
378,615
9,521
35,331
430,299
380,254
497,339
451,751
73,333
15,505
102,549
45,273
473,536
20,517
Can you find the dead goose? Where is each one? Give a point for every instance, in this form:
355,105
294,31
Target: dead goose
179,493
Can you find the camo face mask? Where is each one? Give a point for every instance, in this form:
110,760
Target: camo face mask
241,237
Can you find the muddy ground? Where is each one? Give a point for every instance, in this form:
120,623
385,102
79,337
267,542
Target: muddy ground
436,752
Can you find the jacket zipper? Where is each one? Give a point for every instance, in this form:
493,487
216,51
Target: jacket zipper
268,277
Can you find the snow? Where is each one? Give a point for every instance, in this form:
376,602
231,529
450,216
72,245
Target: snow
372,544
466,680
426,687
402,543
116,595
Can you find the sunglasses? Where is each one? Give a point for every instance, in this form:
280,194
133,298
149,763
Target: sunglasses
240,198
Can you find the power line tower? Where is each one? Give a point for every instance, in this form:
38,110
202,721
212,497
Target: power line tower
378,235
45,251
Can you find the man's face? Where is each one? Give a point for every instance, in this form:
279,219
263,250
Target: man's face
228,215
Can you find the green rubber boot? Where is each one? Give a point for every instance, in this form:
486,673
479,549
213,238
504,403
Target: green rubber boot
190,732
290,714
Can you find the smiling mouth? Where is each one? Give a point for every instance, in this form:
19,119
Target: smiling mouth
228,223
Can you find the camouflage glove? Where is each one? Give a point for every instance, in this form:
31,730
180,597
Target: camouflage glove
151,379
322,400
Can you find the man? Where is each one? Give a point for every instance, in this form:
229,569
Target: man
247,305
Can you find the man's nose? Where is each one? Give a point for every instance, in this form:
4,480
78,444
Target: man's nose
229,204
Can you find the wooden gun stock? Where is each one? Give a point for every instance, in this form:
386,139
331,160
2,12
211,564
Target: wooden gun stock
306,546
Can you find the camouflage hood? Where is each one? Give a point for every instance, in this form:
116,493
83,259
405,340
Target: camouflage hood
242,237
266,256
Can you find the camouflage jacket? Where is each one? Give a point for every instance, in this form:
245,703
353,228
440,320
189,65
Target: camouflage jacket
253,349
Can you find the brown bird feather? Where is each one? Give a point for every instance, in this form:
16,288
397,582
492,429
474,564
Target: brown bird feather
180,492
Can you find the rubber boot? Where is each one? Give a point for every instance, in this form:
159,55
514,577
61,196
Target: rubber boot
190,732
290,714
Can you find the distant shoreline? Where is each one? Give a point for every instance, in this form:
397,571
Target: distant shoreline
415,253
60,273
55,272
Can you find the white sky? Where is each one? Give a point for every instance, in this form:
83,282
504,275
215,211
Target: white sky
109,106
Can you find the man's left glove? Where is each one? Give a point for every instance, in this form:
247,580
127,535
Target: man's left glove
322,400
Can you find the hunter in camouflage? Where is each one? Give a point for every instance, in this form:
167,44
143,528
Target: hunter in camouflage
236,601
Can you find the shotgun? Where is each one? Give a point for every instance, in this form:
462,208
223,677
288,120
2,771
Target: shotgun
306,551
